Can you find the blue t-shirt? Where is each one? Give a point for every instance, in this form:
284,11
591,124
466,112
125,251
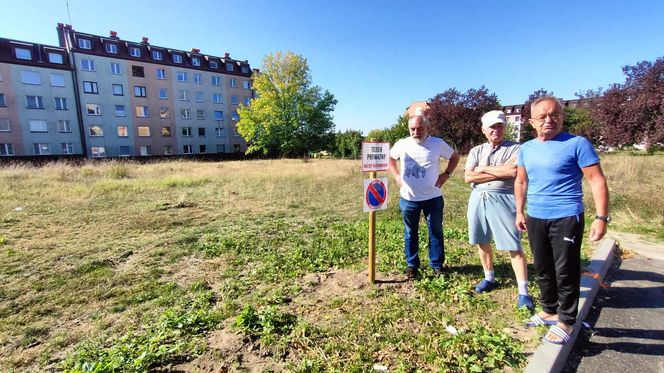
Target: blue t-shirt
554,174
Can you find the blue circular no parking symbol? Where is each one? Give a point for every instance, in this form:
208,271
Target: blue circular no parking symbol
375,194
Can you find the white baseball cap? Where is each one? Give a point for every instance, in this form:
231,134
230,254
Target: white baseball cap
493,117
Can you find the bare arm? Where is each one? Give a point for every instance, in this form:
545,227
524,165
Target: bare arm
600,191
520,190
483,174
395,170
451,165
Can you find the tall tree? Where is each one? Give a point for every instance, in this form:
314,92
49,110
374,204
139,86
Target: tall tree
348,144
290,117
633,112
455,116
392,134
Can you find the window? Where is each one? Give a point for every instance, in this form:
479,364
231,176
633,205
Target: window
140,91
95,131
2,100
182,76
57,80
200,114
137,71
41,148
198,78
161,74
233,83
84,43
146,150
118,89
60,103
177,58
508,111
23,54
67,148
134,51
202,149
91,87
235,133
187,149
236,148
125,151
517,118
98,151
185,113
168,149
195,61
156,55
64,126
216,80
30,77
246,84
518,110
4,125
217,98
88,65
166,131
6,149
247,101
34,102
201,131
184,95
164,113
221,148
143,131
120,111
199,96
93,109
229,66
219,132
245,69
218,115
142,112
122,131
55,58
115,68
163,93
38,126
234,100
235,116
186,131
214,64
111,48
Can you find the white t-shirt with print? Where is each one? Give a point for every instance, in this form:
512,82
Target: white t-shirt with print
420,166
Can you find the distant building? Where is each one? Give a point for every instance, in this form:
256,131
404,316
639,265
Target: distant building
101,96
415,107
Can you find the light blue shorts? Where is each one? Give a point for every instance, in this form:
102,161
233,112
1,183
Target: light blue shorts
492,214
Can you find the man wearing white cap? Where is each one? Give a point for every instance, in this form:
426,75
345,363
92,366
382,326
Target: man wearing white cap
491,170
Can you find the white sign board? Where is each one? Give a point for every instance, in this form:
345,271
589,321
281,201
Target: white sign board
375,156
375,194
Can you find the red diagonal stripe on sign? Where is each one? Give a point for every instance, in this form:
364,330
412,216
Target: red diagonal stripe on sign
375,193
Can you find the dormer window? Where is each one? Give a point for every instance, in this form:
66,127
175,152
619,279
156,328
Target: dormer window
23,54
134,52
177,58
84,43
245,69
229,66
55,58
214,64
195,61
156,55
111,48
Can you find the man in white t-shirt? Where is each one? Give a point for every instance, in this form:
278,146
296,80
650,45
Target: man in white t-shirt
420,181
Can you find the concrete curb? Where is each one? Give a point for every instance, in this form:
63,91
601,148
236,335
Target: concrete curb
552,358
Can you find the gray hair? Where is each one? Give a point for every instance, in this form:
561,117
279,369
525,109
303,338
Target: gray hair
425,121
559,105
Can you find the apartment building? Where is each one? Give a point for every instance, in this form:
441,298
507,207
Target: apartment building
102,96
38,113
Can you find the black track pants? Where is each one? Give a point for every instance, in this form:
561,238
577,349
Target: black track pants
556,247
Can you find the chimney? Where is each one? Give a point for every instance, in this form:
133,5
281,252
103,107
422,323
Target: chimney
227,55
195,51
145,40
114,35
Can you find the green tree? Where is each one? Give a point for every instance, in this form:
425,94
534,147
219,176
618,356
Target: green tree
348,144
290,117
392,134
579,121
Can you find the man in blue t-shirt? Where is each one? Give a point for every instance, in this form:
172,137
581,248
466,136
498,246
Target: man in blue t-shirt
549,172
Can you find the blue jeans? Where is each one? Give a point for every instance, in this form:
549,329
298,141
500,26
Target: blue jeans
433,212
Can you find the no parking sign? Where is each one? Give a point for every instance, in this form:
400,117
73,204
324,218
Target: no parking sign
375,194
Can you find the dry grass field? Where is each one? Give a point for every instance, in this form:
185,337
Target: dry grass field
253,266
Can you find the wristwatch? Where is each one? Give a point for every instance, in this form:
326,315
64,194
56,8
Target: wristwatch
606,218
448,173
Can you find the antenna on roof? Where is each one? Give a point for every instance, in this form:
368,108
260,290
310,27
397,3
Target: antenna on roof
68,14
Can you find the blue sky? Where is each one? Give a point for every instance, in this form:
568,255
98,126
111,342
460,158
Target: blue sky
378,56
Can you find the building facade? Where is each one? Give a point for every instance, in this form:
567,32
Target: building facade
106,97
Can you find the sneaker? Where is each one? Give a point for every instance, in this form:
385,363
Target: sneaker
525,301
437,272
486,286
411,273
